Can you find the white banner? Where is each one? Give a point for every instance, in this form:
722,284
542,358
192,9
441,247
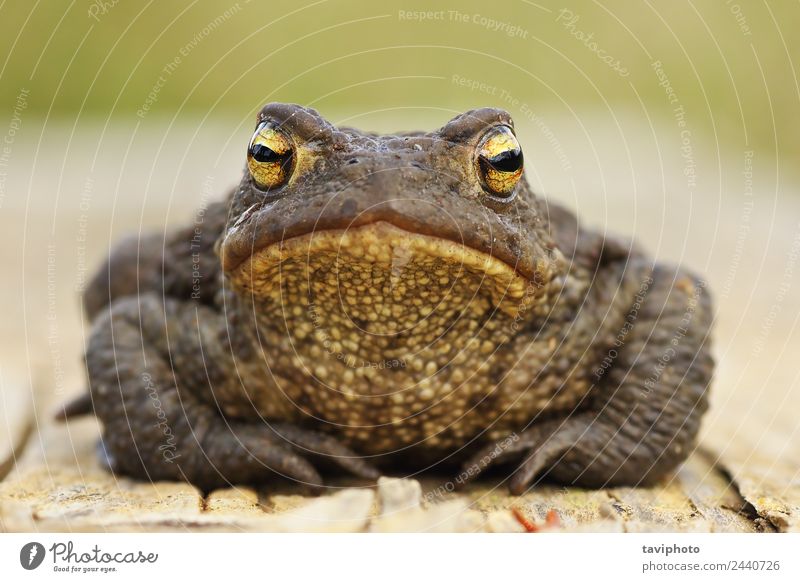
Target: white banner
399,557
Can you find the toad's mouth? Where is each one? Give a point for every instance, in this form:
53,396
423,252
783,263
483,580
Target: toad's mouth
379,272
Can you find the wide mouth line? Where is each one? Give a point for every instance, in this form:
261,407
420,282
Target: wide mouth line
306,239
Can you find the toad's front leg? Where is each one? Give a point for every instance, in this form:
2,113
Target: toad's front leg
645,411
152,365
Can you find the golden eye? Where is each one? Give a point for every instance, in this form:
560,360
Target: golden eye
500,161
270,157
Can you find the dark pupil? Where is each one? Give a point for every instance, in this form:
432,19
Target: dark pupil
507,161
263,154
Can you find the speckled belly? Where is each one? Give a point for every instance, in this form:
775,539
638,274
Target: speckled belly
397,348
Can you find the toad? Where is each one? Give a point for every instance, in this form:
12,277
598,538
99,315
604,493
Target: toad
366,303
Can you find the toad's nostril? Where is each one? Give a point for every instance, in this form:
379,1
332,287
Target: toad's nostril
352,161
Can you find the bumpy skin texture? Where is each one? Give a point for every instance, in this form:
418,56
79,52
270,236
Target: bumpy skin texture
383,309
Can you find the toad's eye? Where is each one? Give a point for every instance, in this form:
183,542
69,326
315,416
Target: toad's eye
499,162
270,157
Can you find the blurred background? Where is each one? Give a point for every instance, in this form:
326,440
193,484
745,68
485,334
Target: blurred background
673,122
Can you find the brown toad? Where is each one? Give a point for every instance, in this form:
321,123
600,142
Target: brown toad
402,302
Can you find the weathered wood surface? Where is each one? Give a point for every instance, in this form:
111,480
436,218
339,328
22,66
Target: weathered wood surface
16,419
58,485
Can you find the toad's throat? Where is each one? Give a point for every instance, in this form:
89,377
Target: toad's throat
383,278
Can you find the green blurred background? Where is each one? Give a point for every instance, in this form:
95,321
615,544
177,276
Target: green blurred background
730,63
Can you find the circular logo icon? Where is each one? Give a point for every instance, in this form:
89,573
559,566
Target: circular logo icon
31,555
